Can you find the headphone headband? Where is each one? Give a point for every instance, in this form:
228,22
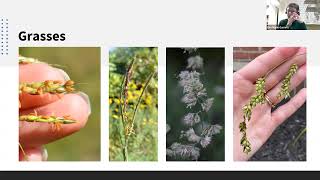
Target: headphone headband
298,11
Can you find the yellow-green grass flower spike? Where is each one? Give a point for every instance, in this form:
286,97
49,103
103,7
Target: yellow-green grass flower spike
259,98
47,119
286,82
49,86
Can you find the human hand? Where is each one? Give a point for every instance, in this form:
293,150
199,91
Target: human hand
292,18
33,135
296,16
275,64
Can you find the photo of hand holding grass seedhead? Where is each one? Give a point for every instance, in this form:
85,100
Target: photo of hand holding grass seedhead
269,103
51,107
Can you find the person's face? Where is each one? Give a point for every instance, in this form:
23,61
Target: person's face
292,12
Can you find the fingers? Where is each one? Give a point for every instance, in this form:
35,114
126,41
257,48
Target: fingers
286,110
296,79
33,154
39,72
260,66
77,106
277,75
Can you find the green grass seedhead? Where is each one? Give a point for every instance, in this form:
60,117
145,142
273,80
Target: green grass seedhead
260,98
128,119
54,120
47,119
49,86
285,87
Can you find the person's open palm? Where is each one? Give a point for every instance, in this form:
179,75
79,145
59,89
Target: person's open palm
33,135
275,64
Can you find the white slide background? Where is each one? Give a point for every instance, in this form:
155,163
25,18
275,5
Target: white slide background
162,23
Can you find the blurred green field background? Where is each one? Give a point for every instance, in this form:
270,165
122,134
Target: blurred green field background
83,66
213,81
143,144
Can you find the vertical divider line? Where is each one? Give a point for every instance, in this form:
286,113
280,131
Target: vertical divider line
162,104
228,104
104,130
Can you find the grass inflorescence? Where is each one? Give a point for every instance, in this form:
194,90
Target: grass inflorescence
198,130
47,119
127,117
285,87
259,98
48,86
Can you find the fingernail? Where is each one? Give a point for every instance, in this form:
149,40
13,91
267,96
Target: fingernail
37,154
44,154
34,157
85,97
63,74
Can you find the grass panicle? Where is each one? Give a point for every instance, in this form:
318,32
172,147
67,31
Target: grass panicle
260,98
198,130
128,120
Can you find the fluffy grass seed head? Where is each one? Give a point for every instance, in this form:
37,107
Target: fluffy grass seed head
206,105
195,62
195,98
189,50
180,151
193,88
190,135
191,119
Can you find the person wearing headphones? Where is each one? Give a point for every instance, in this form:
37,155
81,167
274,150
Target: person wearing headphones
293,21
